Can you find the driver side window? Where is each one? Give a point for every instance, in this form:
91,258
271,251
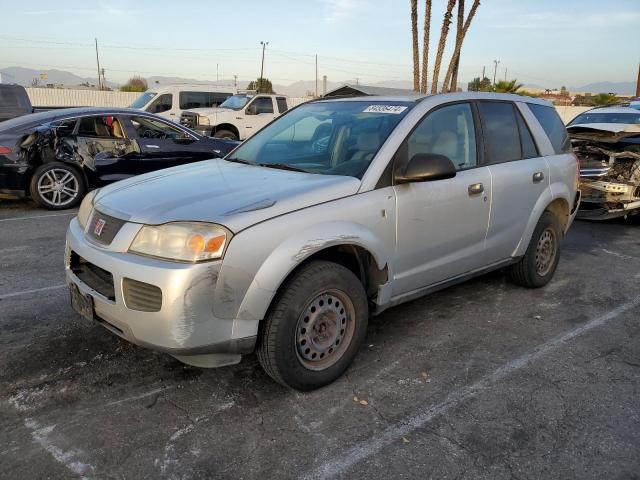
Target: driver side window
447,131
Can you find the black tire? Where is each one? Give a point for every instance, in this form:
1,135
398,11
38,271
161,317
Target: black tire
279,350
43,177
532,271
225,134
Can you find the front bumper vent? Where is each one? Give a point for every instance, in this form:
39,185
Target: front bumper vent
92,275
141,296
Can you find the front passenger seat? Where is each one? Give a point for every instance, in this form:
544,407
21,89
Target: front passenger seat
367,144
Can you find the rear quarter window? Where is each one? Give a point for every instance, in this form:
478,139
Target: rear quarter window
553,127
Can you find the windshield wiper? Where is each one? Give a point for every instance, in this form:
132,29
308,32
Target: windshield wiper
283,166
240,160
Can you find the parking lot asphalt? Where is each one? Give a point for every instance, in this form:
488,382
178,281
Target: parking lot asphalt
484,380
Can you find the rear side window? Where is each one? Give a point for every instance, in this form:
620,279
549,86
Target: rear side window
201,99
500,131
263,105
529,149
553,127
282,104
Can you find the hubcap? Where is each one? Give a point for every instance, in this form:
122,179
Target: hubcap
58,187
324,330
545,252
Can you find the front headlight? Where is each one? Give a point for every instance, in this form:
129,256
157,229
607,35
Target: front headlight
182,241
85,208
203,120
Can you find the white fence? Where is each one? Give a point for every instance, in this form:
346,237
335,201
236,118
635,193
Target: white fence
58,97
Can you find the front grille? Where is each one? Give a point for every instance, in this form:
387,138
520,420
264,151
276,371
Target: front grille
95,277
103,228
141,296
189,119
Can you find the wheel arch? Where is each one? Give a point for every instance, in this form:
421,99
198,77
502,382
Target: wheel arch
226,126
555,199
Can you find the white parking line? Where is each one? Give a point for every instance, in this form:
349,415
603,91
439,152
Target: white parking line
38,216
336,466
35,290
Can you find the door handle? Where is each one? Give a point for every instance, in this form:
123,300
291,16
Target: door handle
475,189
172,114
152,146
538,177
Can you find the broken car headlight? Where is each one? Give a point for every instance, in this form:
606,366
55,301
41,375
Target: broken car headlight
85,208
203,120
182,241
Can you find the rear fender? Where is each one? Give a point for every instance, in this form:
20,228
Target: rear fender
552,192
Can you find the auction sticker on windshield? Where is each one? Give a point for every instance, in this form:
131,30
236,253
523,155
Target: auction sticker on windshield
395,109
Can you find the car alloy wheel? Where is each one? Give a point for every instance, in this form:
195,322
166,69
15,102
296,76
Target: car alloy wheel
58,187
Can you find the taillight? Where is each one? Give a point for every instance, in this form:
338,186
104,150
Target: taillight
577,171
4,150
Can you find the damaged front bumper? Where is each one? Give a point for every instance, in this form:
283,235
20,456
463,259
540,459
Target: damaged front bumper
603,200
162,305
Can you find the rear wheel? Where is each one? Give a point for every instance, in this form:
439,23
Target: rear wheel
226,135
57,186
314,330
540,261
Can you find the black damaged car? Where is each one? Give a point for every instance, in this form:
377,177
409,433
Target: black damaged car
55,157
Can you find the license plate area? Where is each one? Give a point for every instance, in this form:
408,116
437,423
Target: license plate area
81,303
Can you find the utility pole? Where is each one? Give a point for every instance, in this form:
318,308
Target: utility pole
104,79
495,70
217,77
235,80
638,83
357,81
324,85
316,75
482,78
98,62
505,74
260,81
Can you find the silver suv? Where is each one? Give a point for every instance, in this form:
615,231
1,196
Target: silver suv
336,210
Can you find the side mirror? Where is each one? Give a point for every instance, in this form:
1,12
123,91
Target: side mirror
424,167
251,110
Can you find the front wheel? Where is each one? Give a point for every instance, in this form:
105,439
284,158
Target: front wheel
315,327
540,261
57,186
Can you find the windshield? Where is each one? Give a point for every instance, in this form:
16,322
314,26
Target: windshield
624,117
235,102
142,100
331,138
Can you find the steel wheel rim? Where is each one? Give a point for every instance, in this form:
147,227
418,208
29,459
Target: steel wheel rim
324,330
58,187
545,252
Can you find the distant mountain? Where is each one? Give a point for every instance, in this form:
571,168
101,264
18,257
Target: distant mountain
24,76
621,88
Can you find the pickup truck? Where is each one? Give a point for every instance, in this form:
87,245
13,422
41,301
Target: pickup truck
14,102
238,117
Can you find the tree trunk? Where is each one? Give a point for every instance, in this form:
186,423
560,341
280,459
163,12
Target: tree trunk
425,47
454,77
455,57
416,54
443,40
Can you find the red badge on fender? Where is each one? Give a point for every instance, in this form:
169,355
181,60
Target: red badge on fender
100,223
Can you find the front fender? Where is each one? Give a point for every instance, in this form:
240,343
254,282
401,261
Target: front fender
282,259
552,192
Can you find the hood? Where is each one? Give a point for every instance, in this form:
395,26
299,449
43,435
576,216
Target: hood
230,194
211,111
603,132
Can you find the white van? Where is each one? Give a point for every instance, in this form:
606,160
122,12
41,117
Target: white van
169,101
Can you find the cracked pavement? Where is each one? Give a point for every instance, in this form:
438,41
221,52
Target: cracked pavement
80,402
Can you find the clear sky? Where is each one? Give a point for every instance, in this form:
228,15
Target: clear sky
546,42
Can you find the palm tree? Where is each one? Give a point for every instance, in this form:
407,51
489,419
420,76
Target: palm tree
503,86
416,55
443,40
452,71
425,46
